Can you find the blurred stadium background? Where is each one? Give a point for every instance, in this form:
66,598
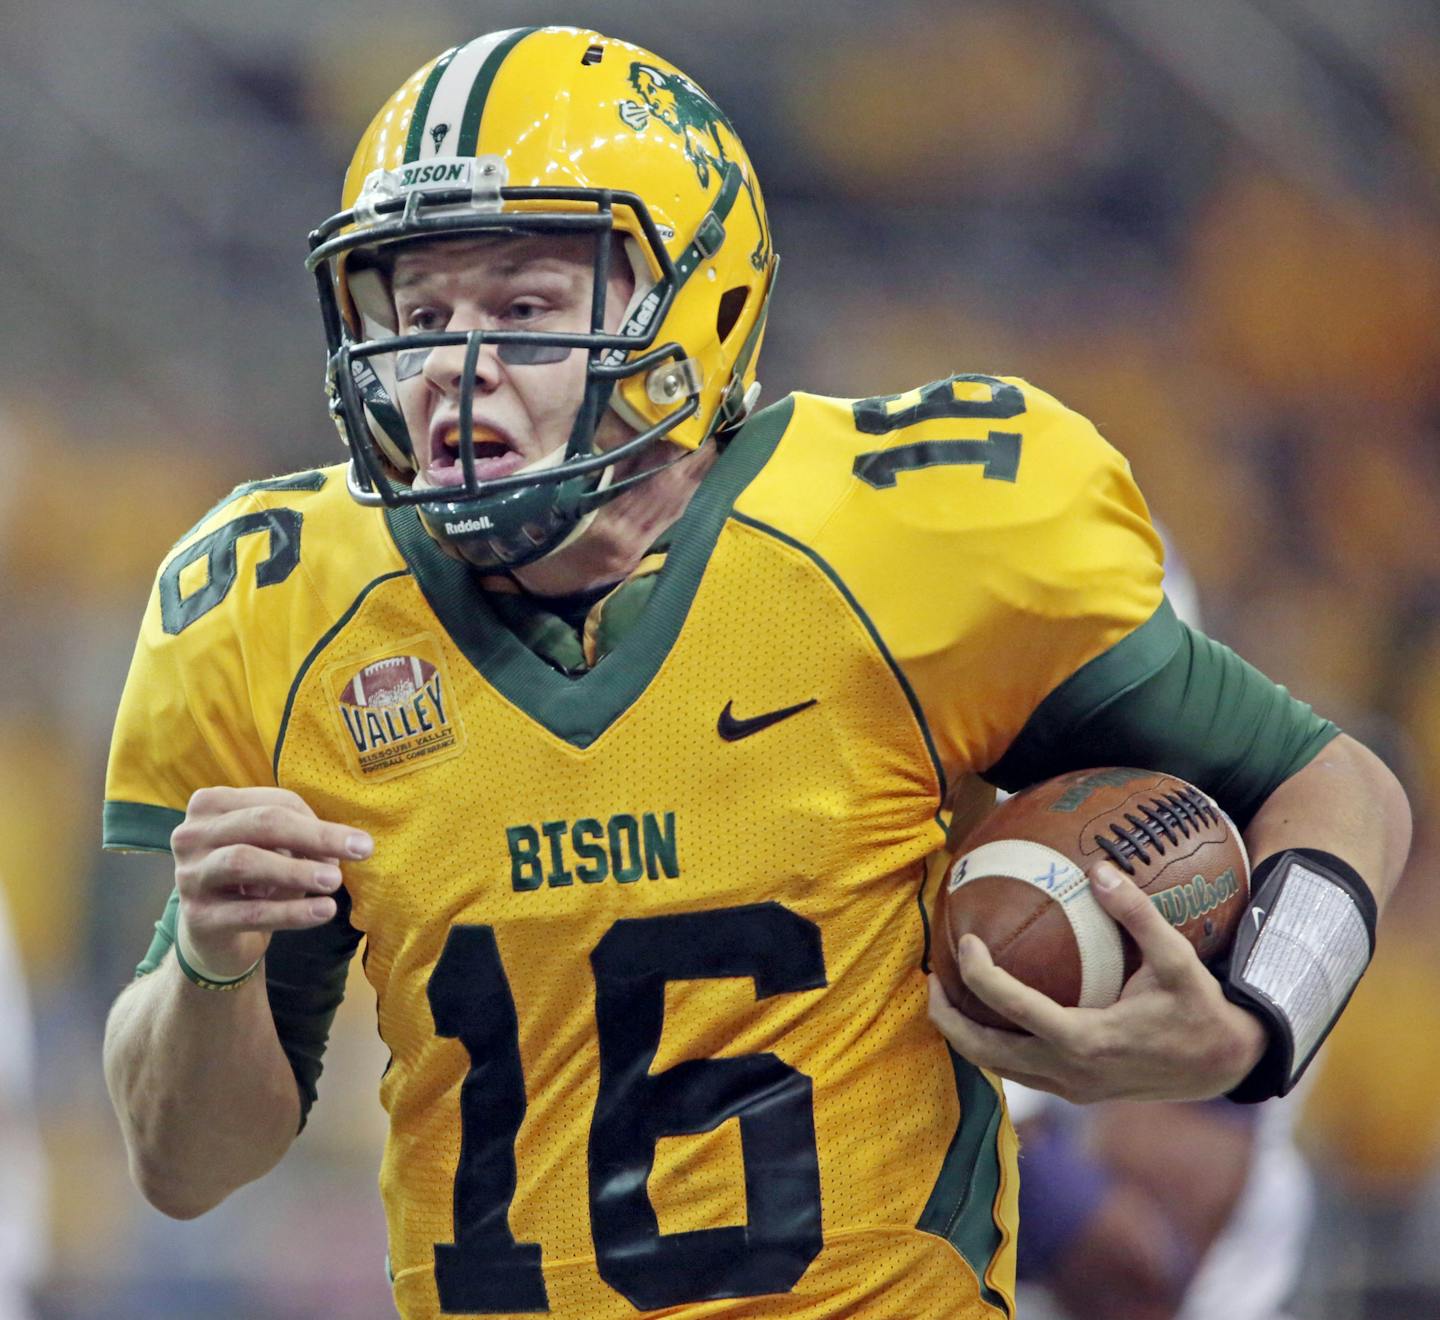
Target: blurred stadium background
1211,228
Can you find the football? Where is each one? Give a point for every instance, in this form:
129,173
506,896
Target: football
1021,882
388,682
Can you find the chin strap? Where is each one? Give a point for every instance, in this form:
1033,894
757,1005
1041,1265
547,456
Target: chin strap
1303,944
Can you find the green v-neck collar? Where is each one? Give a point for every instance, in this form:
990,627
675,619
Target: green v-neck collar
579,710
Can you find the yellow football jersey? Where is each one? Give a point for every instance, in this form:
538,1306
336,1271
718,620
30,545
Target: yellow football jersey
648,943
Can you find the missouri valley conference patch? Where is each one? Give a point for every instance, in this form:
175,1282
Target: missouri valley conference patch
395,712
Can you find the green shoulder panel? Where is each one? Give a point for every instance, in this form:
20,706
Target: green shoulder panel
1048,733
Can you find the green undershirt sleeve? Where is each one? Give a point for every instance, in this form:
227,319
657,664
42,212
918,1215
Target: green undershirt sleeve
1169,698
305,974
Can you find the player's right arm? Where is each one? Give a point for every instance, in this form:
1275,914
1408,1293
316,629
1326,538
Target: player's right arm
204,1091
210,1086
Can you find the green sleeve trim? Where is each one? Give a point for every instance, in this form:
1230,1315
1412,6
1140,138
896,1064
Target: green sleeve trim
1190,707
138,827
1109,676
305,975
164,939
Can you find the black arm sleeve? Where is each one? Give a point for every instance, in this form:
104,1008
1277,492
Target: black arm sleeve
305,973
1169,698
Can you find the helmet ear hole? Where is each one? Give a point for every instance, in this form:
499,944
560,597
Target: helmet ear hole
732,303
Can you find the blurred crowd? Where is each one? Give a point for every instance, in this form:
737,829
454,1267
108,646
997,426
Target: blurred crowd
1215,230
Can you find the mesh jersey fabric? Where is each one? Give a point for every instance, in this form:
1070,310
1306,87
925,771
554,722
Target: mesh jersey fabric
720,1093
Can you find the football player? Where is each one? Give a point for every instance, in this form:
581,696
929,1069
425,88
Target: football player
618,719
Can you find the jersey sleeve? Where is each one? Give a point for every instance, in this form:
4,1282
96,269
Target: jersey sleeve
1005,560
184,723
1202,713
997,543
231,617
233,614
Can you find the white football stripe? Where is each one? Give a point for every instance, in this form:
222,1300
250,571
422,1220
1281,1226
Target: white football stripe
452,93
1102,956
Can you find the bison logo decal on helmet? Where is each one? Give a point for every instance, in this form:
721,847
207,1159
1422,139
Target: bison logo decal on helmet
673,100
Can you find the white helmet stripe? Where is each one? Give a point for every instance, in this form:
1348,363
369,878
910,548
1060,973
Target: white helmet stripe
447,105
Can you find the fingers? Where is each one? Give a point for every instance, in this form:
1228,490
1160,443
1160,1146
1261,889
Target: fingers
1030,1060
251,861
215,924
1130,1048
246,871
273,825
1163,948
1019,1003
214,801
222,936
1007,1052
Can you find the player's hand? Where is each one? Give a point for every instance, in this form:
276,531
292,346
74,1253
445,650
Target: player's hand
1171,1036
251,861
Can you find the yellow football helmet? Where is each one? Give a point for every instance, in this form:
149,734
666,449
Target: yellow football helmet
562,131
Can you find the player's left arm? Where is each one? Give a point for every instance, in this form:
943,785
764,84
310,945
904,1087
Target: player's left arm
1050,621
1345,802
1339,827
1320,811
1327,828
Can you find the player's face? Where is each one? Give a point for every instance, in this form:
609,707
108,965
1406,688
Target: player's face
523,410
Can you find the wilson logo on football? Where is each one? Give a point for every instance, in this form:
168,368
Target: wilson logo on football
395,713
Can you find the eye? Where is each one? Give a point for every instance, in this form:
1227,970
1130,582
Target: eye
422,320
525,311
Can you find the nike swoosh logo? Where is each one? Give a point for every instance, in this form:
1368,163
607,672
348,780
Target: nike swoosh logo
732,729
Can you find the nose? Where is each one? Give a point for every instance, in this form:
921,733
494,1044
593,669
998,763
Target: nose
444,366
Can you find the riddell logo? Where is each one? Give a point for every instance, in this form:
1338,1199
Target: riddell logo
395,713
481,524
635,327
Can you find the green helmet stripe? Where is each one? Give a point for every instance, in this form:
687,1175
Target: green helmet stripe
416,138
480,91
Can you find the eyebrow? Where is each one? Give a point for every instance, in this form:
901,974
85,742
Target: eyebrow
406,277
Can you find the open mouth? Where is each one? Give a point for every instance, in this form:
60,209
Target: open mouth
495,456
